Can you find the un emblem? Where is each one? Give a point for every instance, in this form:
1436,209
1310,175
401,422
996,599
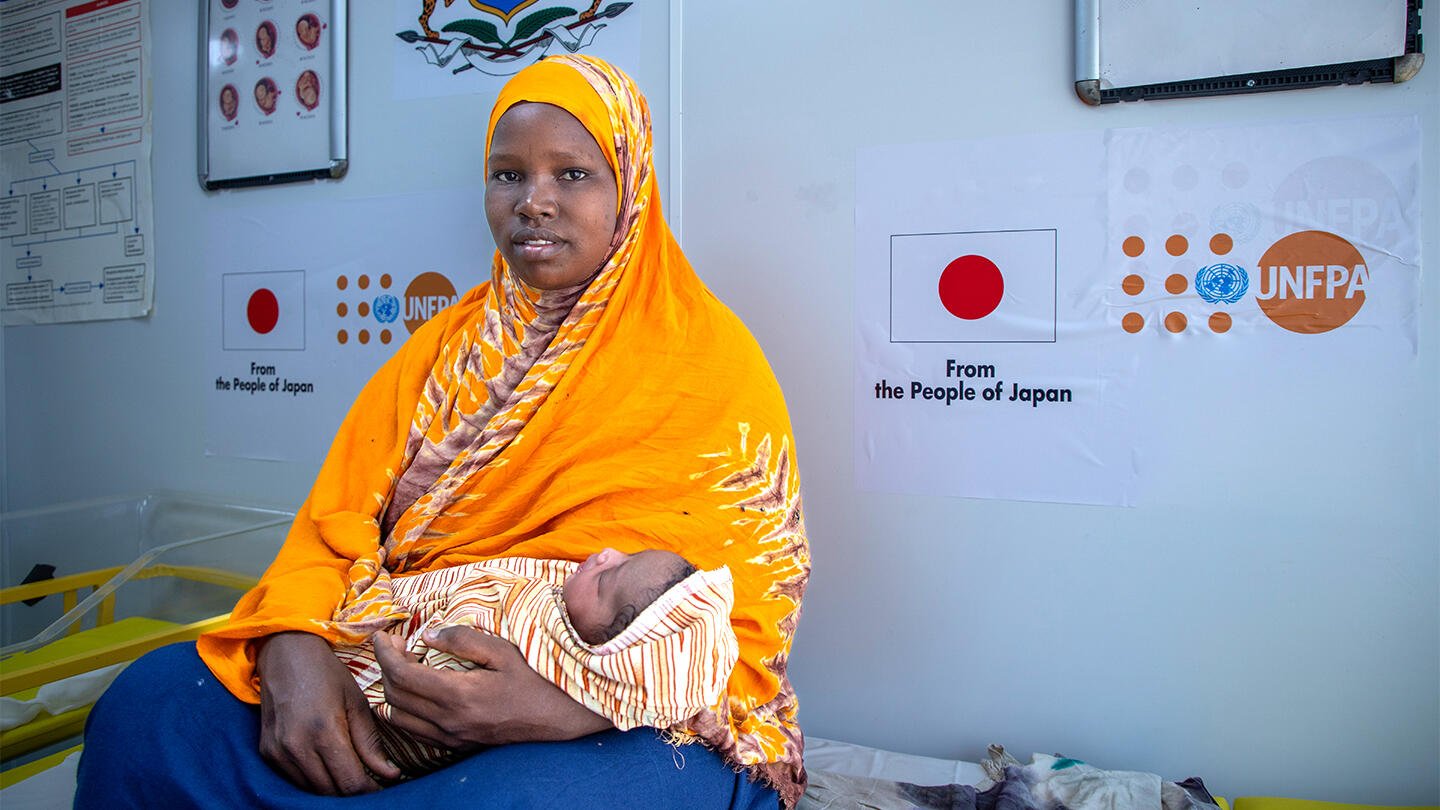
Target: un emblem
1221,283
387,308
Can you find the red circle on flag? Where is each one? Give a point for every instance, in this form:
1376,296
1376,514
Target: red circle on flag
971,287
262,311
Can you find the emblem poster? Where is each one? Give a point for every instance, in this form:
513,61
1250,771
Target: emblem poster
272,91
76,224
472,47
1014,296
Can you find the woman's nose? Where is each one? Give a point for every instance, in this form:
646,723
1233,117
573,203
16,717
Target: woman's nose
536,202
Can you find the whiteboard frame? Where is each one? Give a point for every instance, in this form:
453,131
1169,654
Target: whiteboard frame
336,164
1088,23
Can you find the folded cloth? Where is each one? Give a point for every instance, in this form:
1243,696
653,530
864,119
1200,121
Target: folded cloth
59,697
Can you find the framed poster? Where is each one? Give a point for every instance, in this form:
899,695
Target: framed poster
272,91
1128,50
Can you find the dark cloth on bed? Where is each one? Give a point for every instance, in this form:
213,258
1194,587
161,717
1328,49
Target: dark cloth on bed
834,791
1022,788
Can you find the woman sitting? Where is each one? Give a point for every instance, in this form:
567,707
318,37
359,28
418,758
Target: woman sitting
593,393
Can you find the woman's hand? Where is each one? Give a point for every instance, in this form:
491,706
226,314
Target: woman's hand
315,726
503,700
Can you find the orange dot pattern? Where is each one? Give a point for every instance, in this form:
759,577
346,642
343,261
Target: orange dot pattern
361,309
1133,284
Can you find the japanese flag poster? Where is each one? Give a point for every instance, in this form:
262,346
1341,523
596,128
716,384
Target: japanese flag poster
1011,293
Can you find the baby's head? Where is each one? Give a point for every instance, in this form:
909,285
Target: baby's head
610,589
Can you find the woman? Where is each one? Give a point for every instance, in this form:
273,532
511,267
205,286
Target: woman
593,393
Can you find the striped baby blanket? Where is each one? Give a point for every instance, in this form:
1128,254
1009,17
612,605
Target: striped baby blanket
670,664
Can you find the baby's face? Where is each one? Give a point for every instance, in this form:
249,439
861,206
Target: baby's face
611,586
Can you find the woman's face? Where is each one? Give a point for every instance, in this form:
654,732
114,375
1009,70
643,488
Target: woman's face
549,196
228,101
263,39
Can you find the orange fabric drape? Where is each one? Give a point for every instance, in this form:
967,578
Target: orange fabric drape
633,412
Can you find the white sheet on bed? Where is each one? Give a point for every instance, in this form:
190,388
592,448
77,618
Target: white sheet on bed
858,760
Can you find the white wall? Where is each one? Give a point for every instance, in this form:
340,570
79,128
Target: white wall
1294,654
1298,653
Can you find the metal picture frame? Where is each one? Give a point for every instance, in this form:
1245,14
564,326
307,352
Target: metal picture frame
272,92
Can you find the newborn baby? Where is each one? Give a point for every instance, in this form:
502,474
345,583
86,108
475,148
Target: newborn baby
642,639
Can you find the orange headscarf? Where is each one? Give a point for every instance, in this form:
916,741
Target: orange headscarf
634,411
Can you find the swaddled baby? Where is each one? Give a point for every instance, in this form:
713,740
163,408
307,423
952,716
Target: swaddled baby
642,639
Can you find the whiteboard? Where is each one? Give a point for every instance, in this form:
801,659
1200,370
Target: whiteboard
272,91
1131,49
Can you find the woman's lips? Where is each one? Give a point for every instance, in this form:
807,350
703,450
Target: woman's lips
537,249
536,244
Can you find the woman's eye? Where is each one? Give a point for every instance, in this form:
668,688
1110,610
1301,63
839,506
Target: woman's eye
505,176
574,174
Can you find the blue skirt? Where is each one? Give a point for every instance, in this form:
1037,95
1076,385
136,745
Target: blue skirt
167,734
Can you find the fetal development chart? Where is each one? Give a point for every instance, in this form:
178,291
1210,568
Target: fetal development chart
75,205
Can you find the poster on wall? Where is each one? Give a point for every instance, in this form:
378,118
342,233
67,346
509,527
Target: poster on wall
76,235
468,46
272,92
308,306
1012,293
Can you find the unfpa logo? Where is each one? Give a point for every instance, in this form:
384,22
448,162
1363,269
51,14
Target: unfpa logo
425,295
1312,282
1307,282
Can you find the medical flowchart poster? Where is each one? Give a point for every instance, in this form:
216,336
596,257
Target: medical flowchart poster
1012,293
310,300
76,236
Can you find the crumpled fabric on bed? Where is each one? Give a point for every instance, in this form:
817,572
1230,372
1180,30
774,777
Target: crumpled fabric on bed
1061,782
1047,783
837,791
